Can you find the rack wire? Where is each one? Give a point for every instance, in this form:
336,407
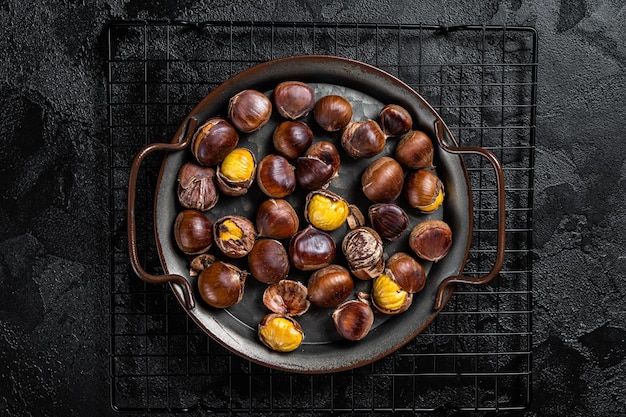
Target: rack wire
475,356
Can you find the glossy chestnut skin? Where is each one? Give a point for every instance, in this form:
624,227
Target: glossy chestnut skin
319,165
415,151
276,176
311,249
330,286
196,187
286,297
382,180
193,232
277,219
332,112
221,284
234,235
249,110
363,249
389,220
354,318
293,99
423,190
395,120
268,261
363,139
431,240
292,138
213,141
407,271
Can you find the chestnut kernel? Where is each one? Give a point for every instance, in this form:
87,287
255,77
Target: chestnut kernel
311,249
213,141
293,99
277,219
280,333
389,220
326,210
275,176
196,187
234,235
395,120
354,318
268,261
236,172
387,296
221,284
193,232
330,286
332,112
423,190
363,249
382,180
407,271
431,240
286,297
249,110
292,138
415,150
363,139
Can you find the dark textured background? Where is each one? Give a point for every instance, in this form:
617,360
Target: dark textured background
54,283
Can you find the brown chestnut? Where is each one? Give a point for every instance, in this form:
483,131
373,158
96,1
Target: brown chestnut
395,120
236,172
249,110
292,138
276,176
431,240
387,296
363,139
286,297
277,219
423,190
311,249
382,180
363,249
415,150
221,284
196,187
234,235
407,272
193,232
389,220
319,165
332,112
293,99
268,261
354,318
280,333
199,263
213,141
330,286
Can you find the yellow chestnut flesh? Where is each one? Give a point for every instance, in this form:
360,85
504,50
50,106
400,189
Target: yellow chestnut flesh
238,165
388,296
234,235
280,333
326,210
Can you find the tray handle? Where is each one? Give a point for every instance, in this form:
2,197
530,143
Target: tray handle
442,291
185,135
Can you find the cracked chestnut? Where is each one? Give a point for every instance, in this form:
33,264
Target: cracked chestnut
286,297
363,249
196,187
234,235
280,333
354,318
213,141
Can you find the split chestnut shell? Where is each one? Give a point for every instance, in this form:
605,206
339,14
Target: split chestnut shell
363,249
286,297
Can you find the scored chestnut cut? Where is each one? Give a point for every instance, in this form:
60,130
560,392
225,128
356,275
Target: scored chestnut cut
234,235
196,187
280,333
387,296
431,240
415,150
389,220
193,232
236,172
407,272
382,180
363,249
330,286
221,284
286,297
275,176
293,99
319,165
332,112
354,318
395,120
276,218
423,190
311,249
249,110
363,139
268,261
292,138
213,141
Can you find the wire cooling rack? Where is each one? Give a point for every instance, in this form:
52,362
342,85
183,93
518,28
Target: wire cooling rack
475,356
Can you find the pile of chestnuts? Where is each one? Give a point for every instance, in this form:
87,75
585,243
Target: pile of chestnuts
281,238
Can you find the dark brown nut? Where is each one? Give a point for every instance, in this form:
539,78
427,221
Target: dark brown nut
268,261
415,151
193,232
387,296
326,210
363,139
363,249
234,235
395,120
293,99
424,191
407,272
221,284
276,176
280,333
249,110
431,240
213,141
311,249
319,165
196,187
277,219
389,220
330,286
353,319
236,172
382,180
332,112
292,138
200,263
286,297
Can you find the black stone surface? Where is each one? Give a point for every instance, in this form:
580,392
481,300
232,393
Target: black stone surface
54,222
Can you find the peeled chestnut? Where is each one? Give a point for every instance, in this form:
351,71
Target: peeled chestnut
196,187
431,240
236,172
363,139
415,150
319,165
276,218
407,272
234,235
293,99
280,333
382,180
249,110
332,112
276,176
292,138
353,319
387,296
423,190
268,261
311,249
221,284
326,210
286,297
330,286
389,220
213,141
363,249
193,232
395,120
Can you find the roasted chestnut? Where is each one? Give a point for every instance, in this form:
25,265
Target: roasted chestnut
395,120
363,249
276,176
332,112
415,150
292,138
280,333
249,110
199,263
363,139
236,172
276,218
311,249
318,166
286,297
382,180
326,210
354,318
268,261
213,141
193,232
407,272
196,187
293,99
423,190
221,284
431,240
387,296
330,286
234,235
389,220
